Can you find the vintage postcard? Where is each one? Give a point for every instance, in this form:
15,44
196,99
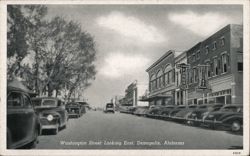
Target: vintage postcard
124,77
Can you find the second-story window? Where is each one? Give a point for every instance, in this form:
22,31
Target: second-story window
216,71
214,45
193,58
240,62
207,49
167,74
224,60
222,41
198,54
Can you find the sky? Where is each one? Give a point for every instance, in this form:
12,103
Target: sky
129,38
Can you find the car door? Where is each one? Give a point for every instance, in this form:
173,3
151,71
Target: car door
30,118
16,119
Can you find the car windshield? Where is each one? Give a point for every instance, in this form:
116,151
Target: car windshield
36,103
231,109
49,103
109,105
202,106
192,106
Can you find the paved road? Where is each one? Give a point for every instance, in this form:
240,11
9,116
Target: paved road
96,130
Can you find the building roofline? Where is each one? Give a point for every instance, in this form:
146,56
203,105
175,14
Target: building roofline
160,59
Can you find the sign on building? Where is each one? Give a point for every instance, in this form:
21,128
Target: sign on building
203,84
183,70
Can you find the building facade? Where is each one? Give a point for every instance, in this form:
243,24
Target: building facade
216,68
162,80
132,93
181,91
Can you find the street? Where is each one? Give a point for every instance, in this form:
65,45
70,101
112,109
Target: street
97,130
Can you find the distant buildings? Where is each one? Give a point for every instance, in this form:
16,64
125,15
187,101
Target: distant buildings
132,93
209,72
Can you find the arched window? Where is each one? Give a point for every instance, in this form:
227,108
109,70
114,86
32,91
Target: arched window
152,85
168,74
159,77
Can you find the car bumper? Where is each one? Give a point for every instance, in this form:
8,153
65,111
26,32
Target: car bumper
47,127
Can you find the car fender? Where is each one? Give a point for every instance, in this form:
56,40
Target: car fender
232,118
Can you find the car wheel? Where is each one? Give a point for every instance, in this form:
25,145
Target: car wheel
235,127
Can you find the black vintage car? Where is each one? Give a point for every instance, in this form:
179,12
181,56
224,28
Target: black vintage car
181,116
229,117
52,113
74,109
195,116
109,108
23,125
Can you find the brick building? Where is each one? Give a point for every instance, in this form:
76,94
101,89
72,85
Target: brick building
216,68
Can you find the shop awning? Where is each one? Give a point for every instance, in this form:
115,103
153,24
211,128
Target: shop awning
155,97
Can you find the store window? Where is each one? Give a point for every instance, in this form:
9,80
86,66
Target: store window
220,99
195,101
228,99
240,62
224,59
211,100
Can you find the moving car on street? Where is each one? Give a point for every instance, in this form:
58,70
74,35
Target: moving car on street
52,113
23,125
74,109
229,117
109,108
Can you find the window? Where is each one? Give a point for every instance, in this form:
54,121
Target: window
198,54
173,76
14,100
224,59
177,78
193,58
190,76
216,72
222,41
195,74
152,83
240,62
211,68
207,49
168,75
160,79
208,69
214,45
27,102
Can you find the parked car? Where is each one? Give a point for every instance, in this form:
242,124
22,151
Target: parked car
74,109
153,111
195,116
173,112
23,125
84,105
164,112
229,117
131,109
52,113
141,110
109,108
181,116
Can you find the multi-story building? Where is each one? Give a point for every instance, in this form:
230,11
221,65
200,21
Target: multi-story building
181,91
132,93
162,80
216,68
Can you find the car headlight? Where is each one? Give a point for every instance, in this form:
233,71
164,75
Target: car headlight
50,117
